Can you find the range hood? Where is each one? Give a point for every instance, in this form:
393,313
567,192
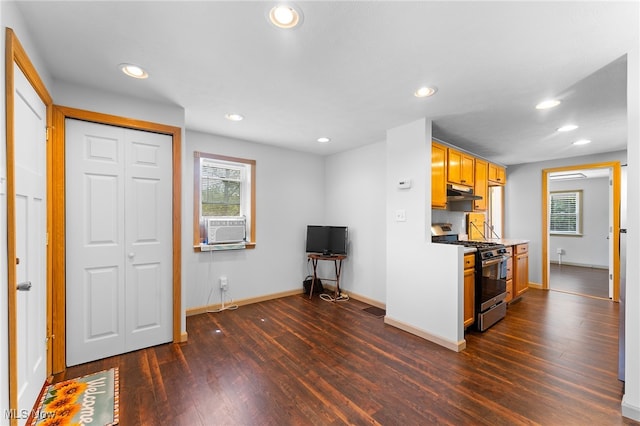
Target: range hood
461,193
460,198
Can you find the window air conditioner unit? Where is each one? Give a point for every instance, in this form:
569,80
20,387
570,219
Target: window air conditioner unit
231,229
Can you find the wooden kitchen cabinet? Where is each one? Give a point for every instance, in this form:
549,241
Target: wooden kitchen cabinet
438,176
520,269
497,175
481,184
509,253
460,167
469,289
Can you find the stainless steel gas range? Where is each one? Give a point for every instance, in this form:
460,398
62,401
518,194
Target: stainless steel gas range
490,275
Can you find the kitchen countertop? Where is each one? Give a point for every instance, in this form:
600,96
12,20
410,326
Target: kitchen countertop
467,250
509,241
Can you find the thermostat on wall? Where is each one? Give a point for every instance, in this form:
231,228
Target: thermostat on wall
404,183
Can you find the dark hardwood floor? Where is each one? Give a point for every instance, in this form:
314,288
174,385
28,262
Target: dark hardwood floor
295,361
592,282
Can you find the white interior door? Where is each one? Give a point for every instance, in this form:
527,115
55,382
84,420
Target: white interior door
31,239
119,240
610,234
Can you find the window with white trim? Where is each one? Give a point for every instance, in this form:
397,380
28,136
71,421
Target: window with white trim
224,187
565,217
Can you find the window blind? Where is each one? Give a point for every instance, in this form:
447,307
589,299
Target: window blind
565,212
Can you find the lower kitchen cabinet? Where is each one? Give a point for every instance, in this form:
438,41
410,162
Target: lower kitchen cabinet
509,275
520,269
469,289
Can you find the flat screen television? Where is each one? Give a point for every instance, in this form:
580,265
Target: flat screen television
327,240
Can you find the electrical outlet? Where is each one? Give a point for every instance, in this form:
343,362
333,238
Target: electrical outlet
559,251
224,283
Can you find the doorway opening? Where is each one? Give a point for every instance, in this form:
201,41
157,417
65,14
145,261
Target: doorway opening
581,219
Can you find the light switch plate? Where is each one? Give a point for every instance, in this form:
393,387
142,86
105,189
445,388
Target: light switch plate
401,215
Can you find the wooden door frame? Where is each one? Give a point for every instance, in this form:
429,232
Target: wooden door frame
615,168
15,54
59,115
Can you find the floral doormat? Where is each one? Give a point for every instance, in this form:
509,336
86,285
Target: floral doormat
92,399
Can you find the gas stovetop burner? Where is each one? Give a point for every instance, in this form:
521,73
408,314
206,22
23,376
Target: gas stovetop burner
481,244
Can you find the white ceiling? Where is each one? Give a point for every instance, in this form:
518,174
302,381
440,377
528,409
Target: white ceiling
350,70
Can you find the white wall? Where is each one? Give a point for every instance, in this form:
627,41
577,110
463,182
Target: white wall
424,280
523,212
9,17
289,196
592,248
355,196
631,398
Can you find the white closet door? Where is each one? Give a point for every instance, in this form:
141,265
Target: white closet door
118,240
148,238
31,240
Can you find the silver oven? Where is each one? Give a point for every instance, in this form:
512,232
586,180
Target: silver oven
491,287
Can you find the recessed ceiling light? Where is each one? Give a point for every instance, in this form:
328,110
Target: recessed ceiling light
548,104
582,142
133,71
284,16
234,117
567,128
424,92
323,140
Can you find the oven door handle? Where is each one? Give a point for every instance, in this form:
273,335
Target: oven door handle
493,261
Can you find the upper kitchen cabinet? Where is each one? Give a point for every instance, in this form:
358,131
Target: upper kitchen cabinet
460,167
481,185
497,175
438,176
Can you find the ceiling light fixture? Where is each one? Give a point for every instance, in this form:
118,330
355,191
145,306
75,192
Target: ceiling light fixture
285,16
567,128
582,142
234,117
133,71
567,176
548,104
425,92
323,140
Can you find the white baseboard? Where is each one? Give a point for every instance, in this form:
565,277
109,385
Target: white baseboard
582,265
454,346
630,411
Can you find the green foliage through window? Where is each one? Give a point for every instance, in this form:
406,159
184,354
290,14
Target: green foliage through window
221,189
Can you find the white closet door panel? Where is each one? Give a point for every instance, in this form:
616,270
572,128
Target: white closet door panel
95,274
101,210
145,321
101,288
149,239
